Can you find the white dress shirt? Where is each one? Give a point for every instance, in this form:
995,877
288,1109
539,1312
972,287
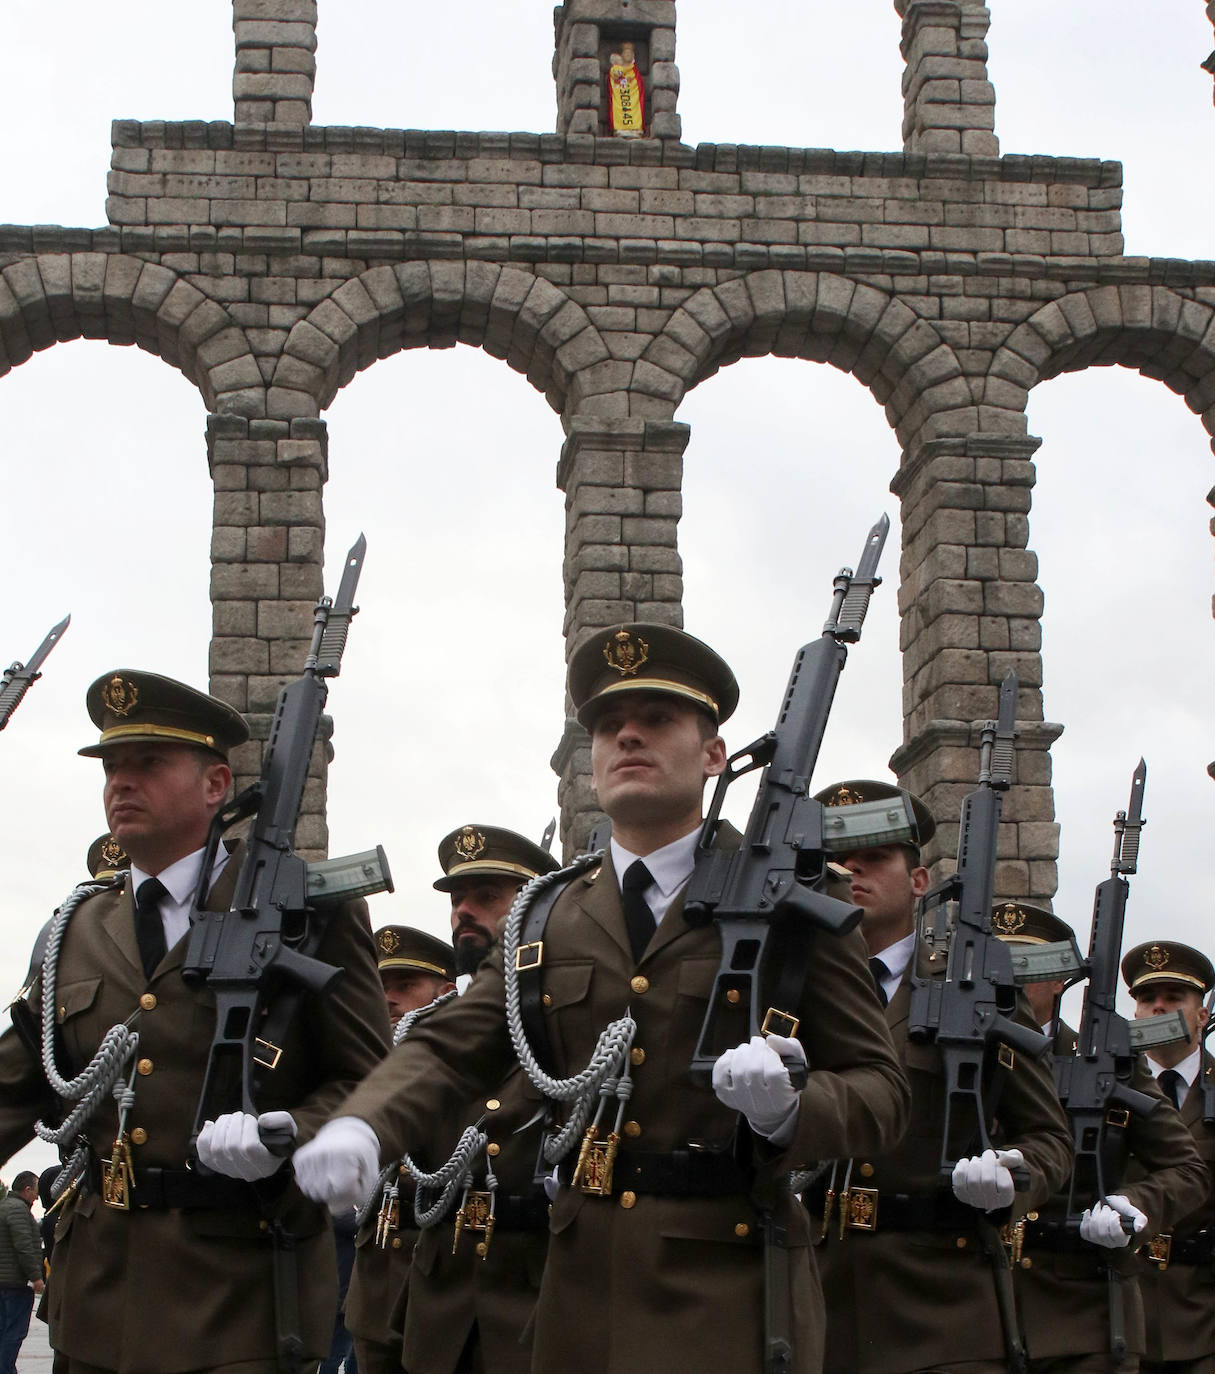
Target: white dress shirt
1188,1069
180,878
896,957
670,867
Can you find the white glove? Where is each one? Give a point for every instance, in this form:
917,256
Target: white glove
1102,1224
339,1164
986,1180
232,1145
752,1080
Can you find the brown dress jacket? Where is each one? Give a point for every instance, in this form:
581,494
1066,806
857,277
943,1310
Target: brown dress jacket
1179,1299
1064,1294
902,1298
163,1291
451,1293
643,1281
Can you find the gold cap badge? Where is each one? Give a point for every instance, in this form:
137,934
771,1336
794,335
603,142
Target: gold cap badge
119,695
113,853
1156,958
625,654
389,941
844,796
469,843
1008,919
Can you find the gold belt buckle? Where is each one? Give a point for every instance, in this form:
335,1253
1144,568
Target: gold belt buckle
1012,1233
476,1214
266,1054
118,1176
1159,1250
860,1209
779,1023
596,1160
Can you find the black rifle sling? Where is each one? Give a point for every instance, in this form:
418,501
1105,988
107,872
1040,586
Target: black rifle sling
530,973
792,943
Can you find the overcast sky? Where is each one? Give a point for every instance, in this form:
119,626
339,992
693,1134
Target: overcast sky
450,700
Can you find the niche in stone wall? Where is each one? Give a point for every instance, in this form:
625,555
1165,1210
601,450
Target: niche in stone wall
615,41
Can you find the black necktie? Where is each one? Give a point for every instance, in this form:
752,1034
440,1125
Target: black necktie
1172,1085
637,915
149,928
879,972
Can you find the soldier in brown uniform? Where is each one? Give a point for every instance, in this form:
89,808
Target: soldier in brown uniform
473,1291
663,1266
1077,1290
181,1278
907,1282
415,968
1179,1279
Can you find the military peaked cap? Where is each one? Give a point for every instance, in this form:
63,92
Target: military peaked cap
414,951
1167,961
1021,923
649,658
916,830
131,707
106,856
488,851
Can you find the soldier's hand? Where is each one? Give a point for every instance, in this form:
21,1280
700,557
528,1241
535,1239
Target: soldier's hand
232,1145
985,1180
1102,1224
339,1164
753,1080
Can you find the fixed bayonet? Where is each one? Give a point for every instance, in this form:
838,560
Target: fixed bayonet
19,677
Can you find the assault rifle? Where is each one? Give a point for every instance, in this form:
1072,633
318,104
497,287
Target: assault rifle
777,874
968,1014
1094,1083
971,1010
258,957
19,677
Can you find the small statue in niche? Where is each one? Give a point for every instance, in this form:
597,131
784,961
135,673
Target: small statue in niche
626,94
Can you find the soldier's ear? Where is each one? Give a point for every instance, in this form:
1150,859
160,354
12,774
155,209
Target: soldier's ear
920,880
715,756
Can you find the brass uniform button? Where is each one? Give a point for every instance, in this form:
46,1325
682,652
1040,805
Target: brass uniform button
482,1249
1031,1216
632,1129
733,996
139,1136
961,1242
1026,1262
148,1001
742,1230
263,1225
547,999
628,1200
397,1242
636,1056
62,1012
402,1171
640,984
144,1067
492,1105
866,1170
493,1149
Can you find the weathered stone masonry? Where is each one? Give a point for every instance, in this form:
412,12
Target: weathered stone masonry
270,260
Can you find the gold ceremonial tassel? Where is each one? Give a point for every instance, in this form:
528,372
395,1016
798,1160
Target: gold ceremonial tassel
483,1245
588,1139
117,1176
459,1226
600,1161
845,1200
828,1203
389,1218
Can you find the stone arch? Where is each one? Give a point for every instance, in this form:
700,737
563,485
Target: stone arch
514,315
51,298
821,317
1161,334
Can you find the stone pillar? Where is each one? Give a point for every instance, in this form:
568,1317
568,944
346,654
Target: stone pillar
267,552
971,610
587,31
275,61
949,105
622,480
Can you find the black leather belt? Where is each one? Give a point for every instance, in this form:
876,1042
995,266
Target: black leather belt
161,1190
1196,1249
681,1173
899,1211
1056,1237
526,1213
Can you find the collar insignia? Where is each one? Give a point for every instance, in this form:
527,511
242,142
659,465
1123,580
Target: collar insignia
626,654
469,843
120,696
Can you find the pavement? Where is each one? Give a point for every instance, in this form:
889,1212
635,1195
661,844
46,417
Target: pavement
35,1357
